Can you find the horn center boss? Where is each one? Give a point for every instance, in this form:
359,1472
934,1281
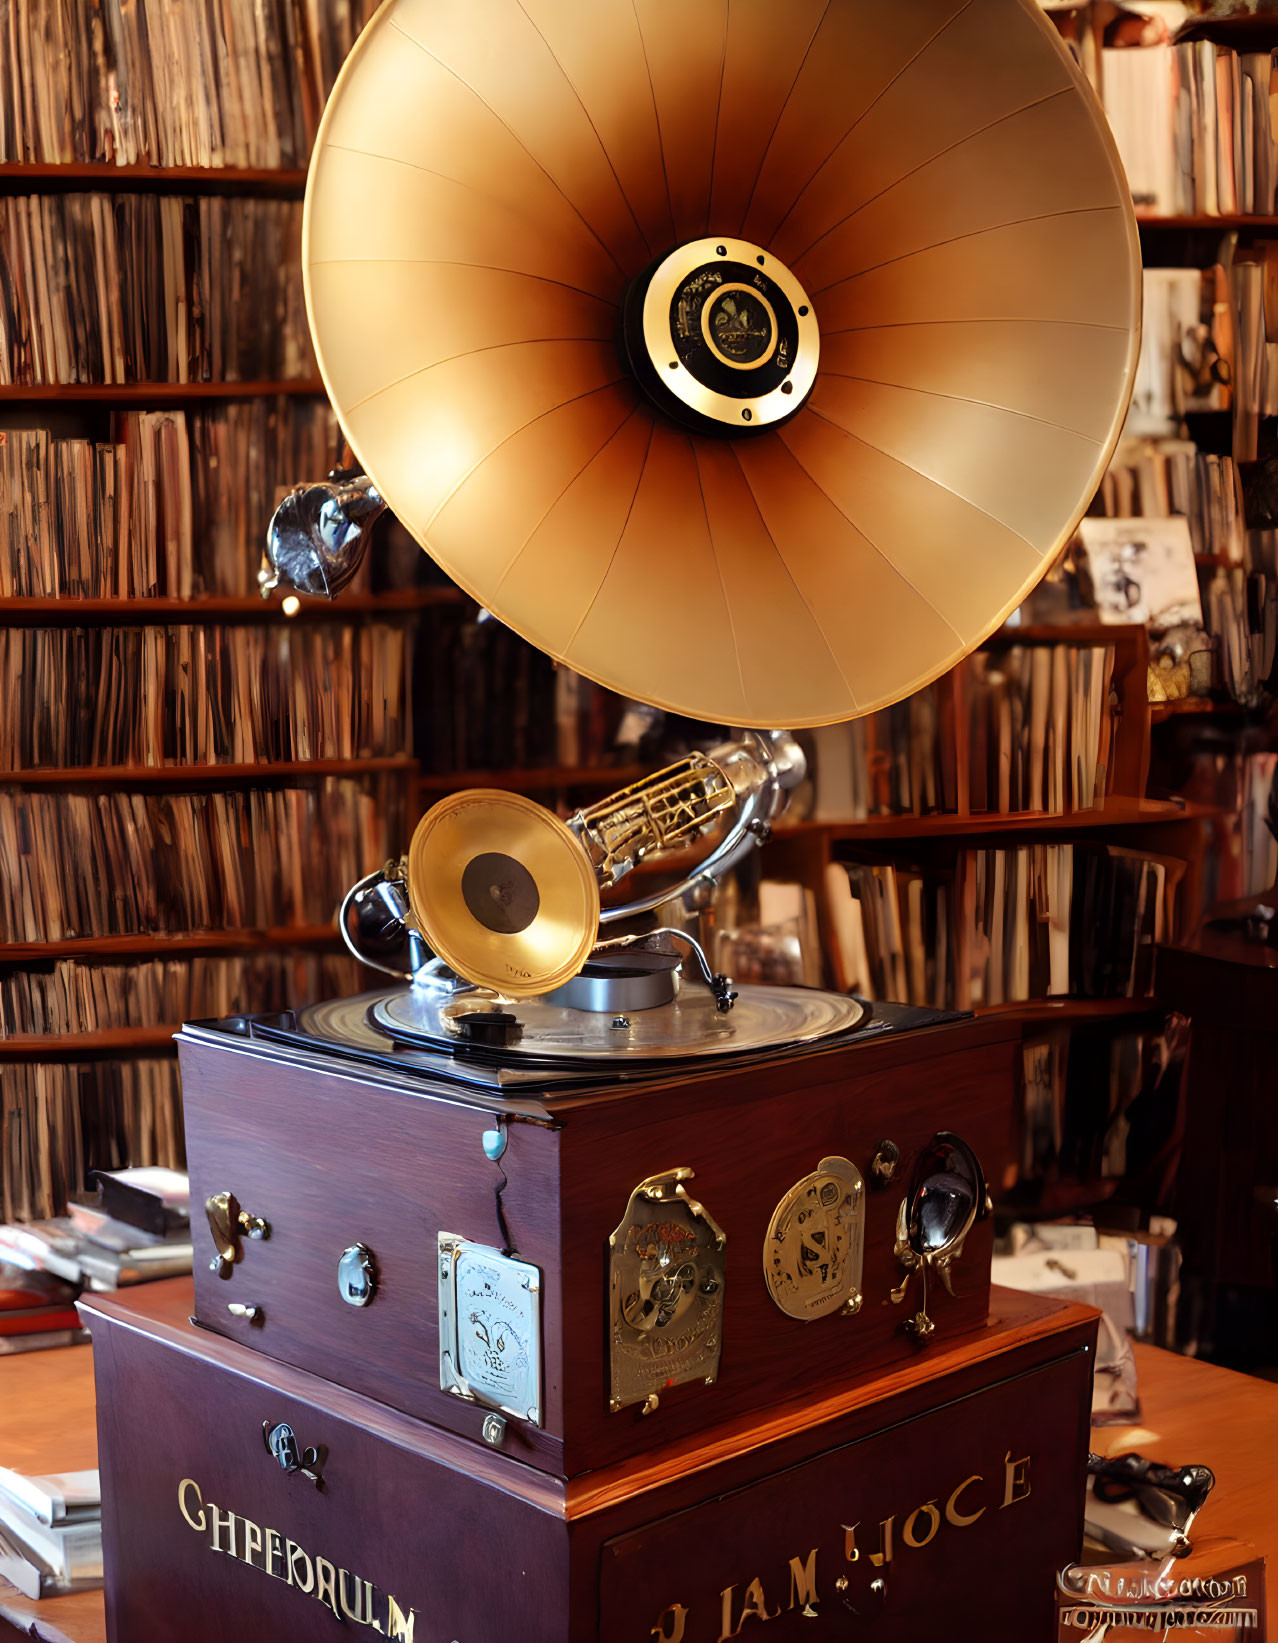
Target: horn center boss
721,336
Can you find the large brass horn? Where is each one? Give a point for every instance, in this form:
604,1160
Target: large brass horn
753,359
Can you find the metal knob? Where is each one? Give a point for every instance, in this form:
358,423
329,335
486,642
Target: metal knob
357,1275
281,1441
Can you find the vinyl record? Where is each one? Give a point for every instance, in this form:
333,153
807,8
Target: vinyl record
503,891
876,277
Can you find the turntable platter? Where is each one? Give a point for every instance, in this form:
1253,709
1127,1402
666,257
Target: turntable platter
689,1028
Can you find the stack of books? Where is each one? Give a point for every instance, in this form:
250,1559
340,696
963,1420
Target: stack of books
50,1532
37,1309
138,1230
174,504
63,1119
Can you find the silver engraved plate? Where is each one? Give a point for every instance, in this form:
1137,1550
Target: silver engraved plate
666,1304
490,1328
813,1250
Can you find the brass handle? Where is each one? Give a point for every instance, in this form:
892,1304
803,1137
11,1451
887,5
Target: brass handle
228,1223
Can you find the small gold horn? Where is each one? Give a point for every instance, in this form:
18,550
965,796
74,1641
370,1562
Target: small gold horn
503,891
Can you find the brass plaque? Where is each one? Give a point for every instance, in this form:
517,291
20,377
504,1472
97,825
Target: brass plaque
666,1318
813,1250
490,1328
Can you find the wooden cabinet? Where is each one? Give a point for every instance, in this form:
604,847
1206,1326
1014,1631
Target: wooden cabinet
332,1154
955,1483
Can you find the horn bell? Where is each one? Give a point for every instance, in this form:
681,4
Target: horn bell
754,358
504,892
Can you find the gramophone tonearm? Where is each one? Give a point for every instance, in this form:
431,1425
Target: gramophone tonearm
508,896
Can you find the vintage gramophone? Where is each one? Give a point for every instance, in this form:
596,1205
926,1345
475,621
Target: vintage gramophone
754,360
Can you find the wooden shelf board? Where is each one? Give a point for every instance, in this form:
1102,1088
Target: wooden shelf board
1224,224
262,772
50,176
530,778
68,609
106,1041
169,946
1193,707
1117,813
1047,1010
150,393
1086,631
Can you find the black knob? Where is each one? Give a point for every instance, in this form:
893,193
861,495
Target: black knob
489,1027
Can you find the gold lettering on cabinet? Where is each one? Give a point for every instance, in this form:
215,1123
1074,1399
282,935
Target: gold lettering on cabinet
678,1617
748,1600
1016,1474
803,1584
190,1483
910,1535
347,1595
959,1519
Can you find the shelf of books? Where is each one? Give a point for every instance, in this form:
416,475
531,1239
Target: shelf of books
190,777
69,176
260,772
165,945
155,394
36,612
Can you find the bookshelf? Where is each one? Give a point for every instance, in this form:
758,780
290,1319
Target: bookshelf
107,1041
168,946
184,776
50,177
209,607
153,395
102,425
1117,812
1228,223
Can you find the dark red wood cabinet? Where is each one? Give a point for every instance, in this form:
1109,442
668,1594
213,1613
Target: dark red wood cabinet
331,1153
941,1496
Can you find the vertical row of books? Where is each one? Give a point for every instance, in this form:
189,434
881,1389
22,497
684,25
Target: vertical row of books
986,926
130,504
129,82
172,505
1195,126
1037,729
1193,123
1167,543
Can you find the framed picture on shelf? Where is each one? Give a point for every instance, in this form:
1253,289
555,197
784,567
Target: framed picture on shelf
1140,570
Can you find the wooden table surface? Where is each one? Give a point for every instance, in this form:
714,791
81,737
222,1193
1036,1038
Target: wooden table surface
1191,1413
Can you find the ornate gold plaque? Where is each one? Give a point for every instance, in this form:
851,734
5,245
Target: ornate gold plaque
666,1318
812,1253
